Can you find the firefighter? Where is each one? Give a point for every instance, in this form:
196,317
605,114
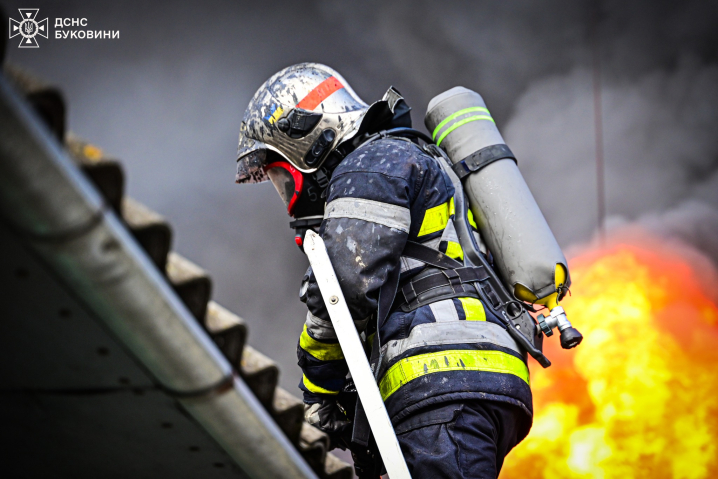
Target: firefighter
367,183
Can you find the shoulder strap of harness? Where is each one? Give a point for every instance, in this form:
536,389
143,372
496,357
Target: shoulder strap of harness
402,132
430,256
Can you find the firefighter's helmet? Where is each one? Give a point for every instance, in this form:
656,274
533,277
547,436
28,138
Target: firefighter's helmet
301,114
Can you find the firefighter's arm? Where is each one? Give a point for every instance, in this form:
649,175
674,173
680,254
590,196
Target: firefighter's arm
318,352
365,228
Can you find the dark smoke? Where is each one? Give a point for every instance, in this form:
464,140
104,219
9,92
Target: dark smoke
691,222
659,138
167,99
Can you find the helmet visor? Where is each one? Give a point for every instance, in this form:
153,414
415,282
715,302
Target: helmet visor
284,184
288,182
250,167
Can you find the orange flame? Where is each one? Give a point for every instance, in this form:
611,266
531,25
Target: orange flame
639,397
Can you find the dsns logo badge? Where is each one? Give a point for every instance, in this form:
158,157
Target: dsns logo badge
28,27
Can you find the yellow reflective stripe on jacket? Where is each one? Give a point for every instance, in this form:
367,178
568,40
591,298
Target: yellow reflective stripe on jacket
321,351
454,360
314,388
471,219
473,309
453,250
436,218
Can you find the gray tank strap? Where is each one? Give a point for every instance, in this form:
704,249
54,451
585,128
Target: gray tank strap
479,159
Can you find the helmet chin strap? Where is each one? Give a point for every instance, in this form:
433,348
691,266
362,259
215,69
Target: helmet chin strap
324,173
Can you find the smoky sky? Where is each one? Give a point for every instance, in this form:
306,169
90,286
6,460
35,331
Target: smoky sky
168,96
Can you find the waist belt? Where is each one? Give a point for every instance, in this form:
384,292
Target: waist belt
443,284
449,279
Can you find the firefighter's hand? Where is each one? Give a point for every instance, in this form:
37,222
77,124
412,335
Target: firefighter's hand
329,418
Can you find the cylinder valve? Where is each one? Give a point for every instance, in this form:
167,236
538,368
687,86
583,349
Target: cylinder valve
570,337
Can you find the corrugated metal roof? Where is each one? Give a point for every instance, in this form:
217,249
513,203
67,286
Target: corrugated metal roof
84,364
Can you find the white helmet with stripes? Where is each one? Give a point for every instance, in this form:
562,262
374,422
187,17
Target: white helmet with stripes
301,114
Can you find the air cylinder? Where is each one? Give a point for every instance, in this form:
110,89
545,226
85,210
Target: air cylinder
525,251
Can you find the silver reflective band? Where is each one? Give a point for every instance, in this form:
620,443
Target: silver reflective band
385,214
451,332
449,233
322,329
444,311
410,263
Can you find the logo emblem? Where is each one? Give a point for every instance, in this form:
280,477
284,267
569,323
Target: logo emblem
273,114
28,28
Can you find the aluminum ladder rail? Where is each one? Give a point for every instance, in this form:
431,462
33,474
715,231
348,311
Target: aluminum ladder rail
359,367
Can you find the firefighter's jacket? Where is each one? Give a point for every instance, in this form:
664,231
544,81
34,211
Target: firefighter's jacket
381,195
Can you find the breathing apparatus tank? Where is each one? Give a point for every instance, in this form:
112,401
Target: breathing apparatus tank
526,254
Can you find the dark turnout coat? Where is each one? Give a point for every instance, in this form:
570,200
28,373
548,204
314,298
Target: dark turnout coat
384,193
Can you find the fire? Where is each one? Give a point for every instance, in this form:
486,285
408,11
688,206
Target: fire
639,397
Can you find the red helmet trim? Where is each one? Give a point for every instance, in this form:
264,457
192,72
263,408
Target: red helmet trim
298,181
320,93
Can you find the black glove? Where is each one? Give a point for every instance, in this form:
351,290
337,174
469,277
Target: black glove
328,417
